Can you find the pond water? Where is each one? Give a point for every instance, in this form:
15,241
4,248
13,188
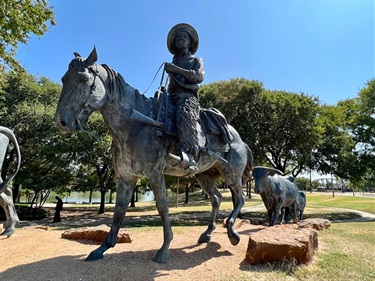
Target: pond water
83,197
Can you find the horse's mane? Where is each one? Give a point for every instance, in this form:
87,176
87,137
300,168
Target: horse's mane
124,89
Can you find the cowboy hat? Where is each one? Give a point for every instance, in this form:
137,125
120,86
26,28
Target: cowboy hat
194,40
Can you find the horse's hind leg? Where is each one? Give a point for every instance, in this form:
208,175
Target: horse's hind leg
124,193
208,183
157,183
239,201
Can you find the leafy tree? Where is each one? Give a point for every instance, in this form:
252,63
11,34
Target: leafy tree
18,20
338,153
302,183
51,160
93,157
278,126
284,129
236,99
27,106
363,128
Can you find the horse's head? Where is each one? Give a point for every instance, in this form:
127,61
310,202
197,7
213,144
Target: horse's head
83,92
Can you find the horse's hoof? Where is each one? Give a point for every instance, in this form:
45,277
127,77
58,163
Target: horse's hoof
204,238
234,239
161,257
93,256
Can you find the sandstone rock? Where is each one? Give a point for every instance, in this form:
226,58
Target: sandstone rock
96,233
280,242
318,224
238,223
42,227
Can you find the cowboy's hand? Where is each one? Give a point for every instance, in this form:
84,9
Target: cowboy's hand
169,67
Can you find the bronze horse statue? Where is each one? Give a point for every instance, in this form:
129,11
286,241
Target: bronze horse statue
89,87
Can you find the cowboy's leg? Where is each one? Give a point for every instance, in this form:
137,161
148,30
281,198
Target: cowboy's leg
187,117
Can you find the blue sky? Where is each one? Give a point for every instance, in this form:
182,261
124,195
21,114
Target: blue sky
322,48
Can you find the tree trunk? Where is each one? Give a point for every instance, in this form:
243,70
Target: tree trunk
187,188
110,196
102,201
132,201
16,192
248,187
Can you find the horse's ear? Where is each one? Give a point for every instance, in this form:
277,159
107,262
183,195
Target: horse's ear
77,55
93,57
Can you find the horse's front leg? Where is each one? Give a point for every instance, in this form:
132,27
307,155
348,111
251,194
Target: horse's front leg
208,183
157,183
124,192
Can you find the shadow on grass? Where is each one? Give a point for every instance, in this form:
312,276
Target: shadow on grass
333,217
178,219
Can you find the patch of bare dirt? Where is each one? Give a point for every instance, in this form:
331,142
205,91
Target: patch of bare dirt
39,253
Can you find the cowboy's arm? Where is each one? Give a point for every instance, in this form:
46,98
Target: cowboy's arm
193,76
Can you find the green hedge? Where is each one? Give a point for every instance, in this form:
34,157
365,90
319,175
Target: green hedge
26,213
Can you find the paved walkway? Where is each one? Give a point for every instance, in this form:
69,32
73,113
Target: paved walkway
364,215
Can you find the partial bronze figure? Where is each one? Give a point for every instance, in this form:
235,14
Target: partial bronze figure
6,194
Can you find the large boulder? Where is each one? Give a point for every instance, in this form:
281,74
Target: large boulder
318,224
96,233
280,242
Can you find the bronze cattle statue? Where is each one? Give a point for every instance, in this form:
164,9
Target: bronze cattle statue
301,204
89,87
6,196
277,192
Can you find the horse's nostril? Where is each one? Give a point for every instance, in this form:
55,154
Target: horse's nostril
62,123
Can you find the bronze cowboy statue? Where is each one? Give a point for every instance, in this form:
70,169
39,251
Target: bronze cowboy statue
185,73
176,107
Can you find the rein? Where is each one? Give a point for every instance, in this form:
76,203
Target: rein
156,74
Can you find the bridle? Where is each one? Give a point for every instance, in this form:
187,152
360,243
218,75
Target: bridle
112,78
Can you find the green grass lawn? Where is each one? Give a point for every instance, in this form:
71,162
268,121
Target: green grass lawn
346,252
365,204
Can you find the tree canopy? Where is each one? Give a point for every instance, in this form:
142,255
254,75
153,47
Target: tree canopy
278,126
18,20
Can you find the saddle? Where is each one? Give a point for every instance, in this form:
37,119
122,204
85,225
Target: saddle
212,121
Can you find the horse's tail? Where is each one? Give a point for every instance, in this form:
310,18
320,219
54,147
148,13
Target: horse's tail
249,165
13,140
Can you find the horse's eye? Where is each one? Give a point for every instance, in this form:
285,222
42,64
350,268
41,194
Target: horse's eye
83,77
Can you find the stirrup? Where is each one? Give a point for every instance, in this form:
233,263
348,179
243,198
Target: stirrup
192,165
